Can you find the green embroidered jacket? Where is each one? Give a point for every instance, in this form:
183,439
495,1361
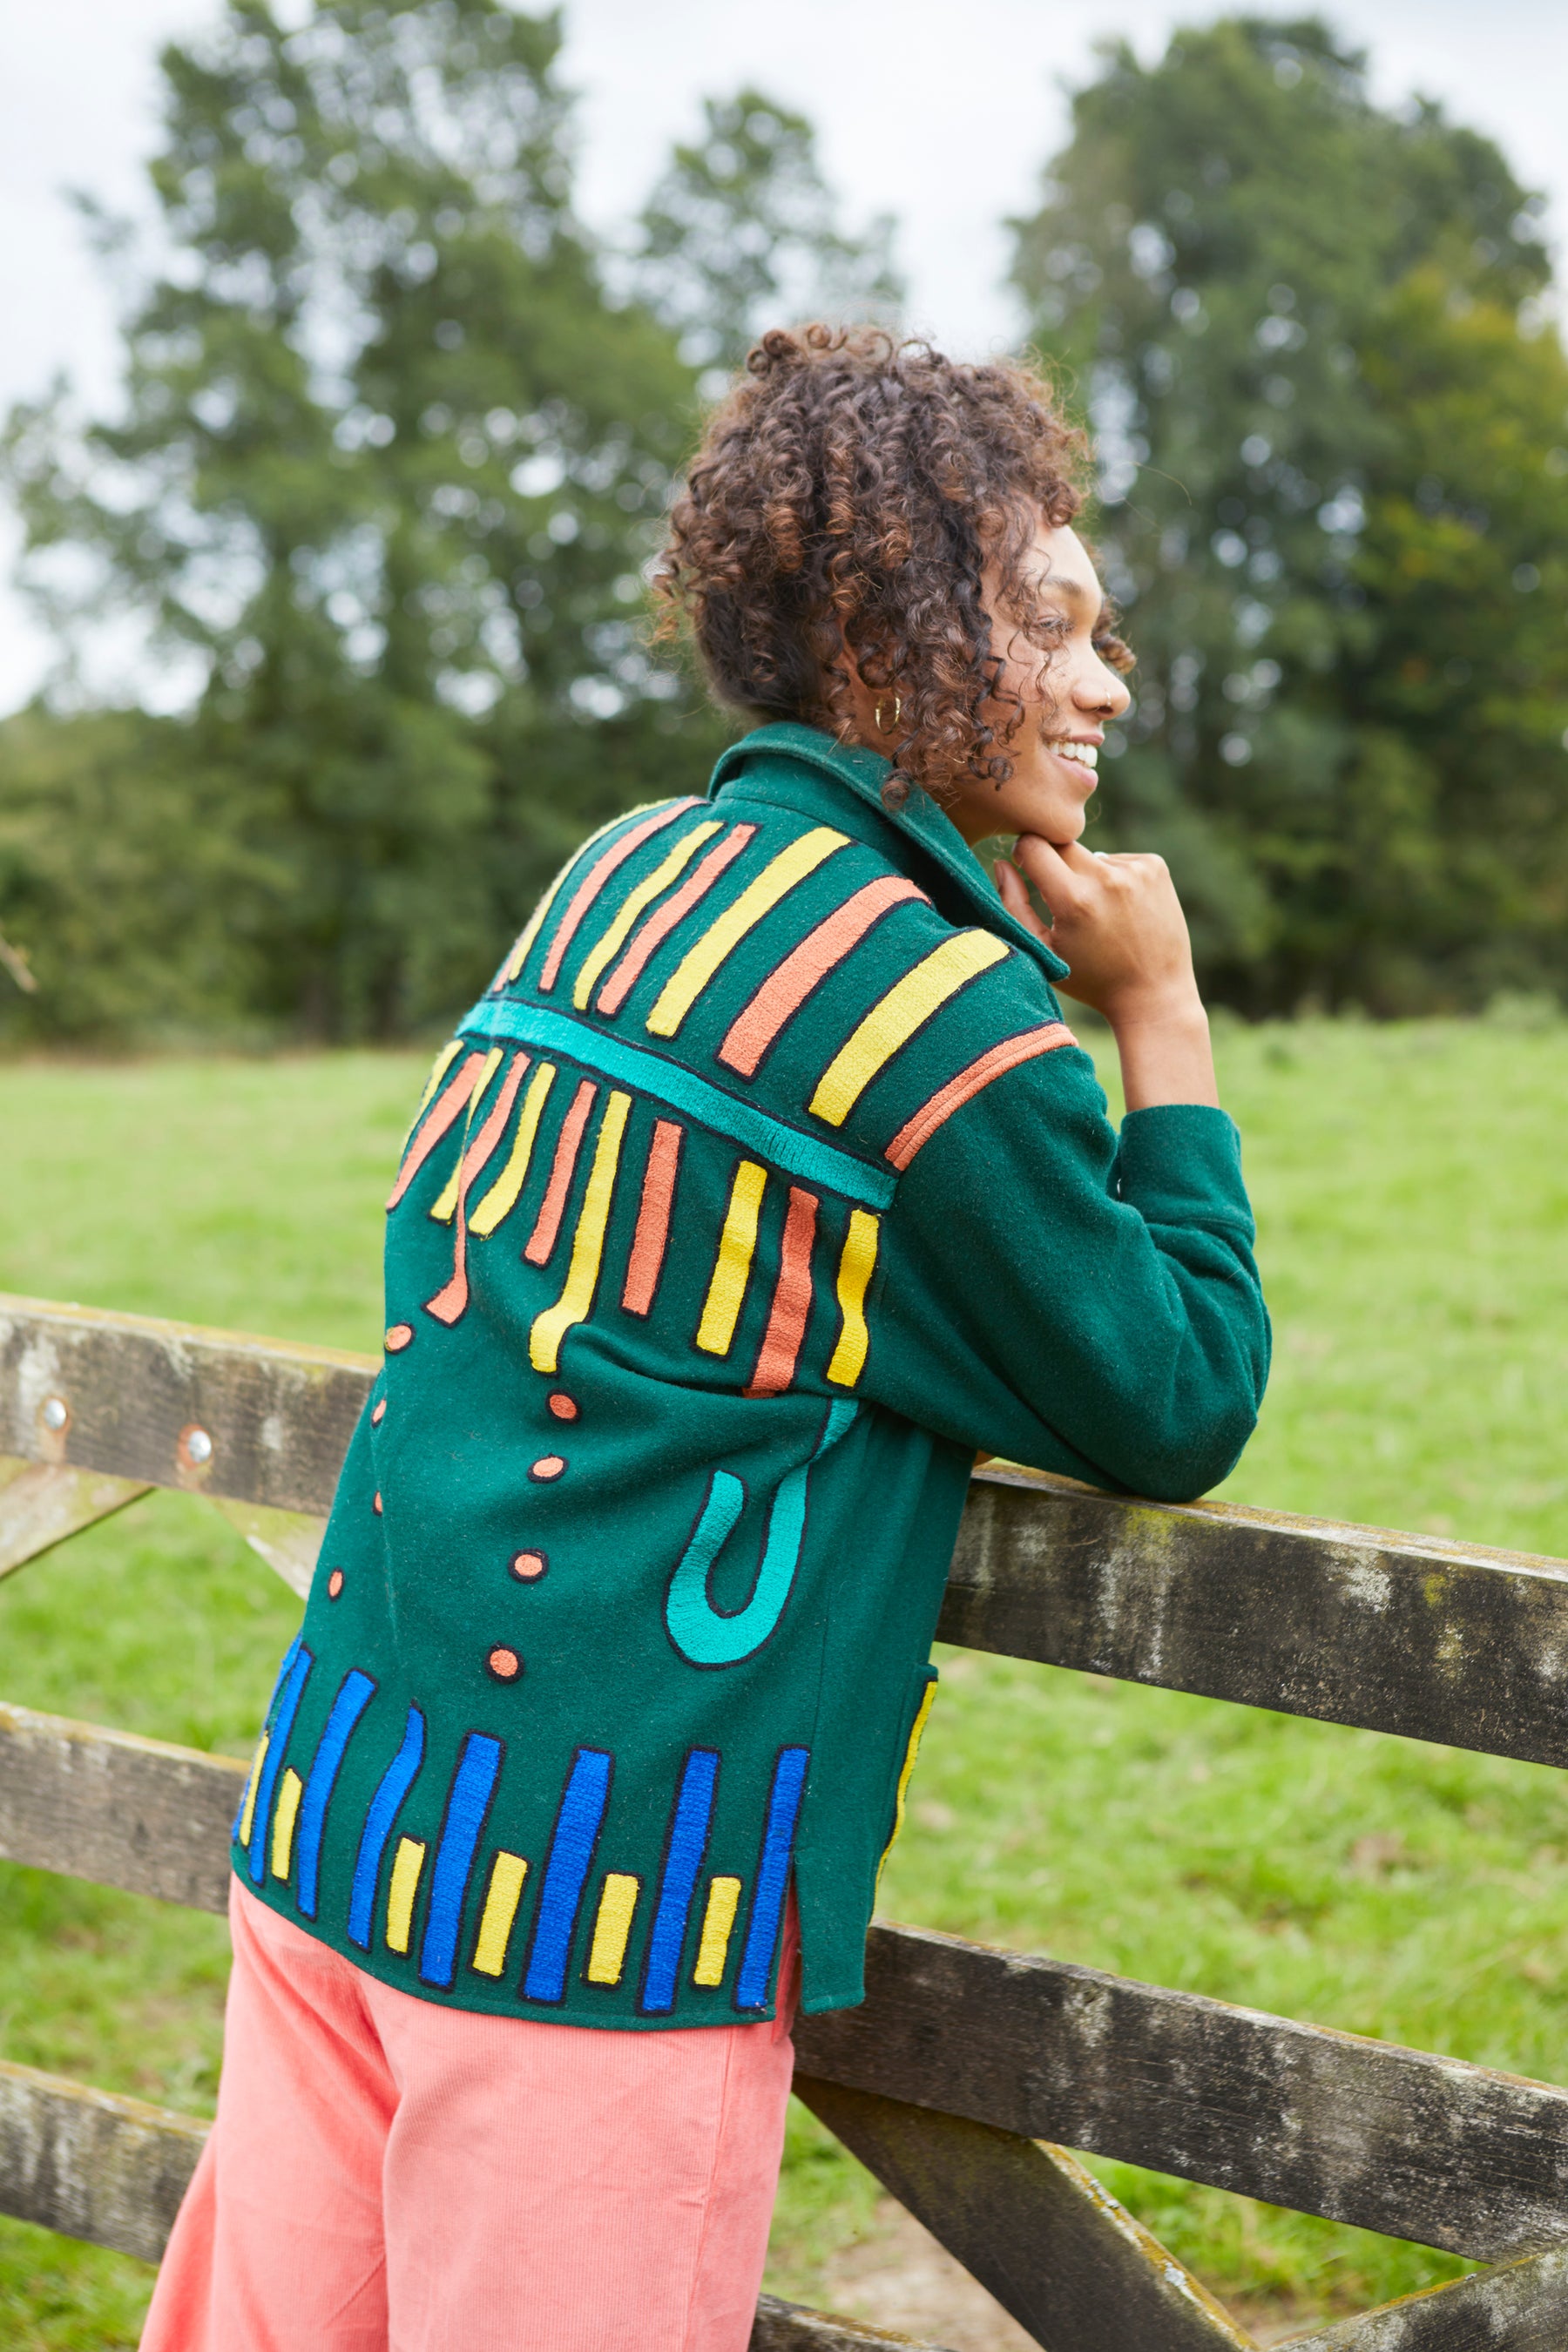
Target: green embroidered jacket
763,1186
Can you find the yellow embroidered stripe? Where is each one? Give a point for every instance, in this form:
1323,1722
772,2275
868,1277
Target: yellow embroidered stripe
445,1205
248,1811
702,960
501,1899
400,1894
613,938
718,1919
290,1788
894,1018
439,1069
856,1263
576,1299
612,1927
501,1199
530,931
911,1756
732,1267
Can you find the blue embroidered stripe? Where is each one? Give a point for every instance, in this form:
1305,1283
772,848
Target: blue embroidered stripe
285,1669
353,1696
799,1154
393,1786
473,1786
682,1861
773,1878
571,1844
287,1708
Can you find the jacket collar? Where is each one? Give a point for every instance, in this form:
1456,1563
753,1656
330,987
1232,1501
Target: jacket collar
919,819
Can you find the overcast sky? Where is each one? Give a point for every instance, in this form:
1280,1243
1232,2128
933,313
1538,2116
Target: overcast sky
941,115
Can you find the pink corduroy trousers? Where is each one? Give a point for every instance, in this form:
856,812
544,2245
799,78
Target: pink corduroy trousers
388,2176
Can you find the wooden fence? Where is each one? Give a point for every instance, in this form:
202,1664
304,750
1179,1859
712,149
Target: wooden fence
968,2073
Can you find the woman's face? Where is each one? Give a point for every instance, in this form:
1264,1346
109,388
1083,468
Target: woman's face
1068,695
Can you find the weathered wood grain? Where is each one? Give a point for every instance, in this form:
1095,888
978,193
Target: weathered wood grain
1039,2233
1396,1632
788,2328
115,1809
288,1541
1521,2309
41,1506
1417,2147
90,2164
136,1393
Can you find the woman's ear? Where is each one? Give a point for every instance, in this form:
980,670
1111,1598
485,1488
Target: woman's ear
864,708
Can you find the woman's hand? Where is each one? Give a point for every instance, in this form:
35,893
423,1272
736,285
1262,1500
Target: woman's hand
1116,920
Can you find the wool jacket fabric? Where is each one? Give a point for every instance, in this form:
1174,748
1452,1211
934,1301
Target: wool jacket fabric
763,1186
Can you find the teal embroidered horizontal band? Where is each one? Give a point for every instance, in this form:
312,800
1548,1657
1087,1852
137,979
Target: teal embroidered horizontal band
667,1082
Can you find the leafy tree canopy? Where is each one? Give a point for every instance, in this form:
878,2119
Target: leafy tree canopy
1335,498
393,454
742,233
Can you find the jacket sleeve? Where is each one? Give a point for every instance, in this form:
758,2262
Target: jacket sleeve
1071,1299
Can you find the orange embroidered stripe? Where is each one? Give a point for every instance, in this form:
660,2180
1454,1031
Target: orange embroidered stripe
501,1199
453,1297
785,990
541,1240
791,1309
968,1083
575,1302
530,932
518,956
445,1202
660,924
449,1108
442,1064
634,905
647,1261
596,876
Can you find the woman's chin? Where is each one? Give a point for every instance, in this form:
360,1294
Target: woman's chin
1057,820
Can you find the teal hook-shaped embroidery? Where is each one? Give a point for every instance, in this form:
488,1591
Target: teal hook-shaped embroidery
706,1635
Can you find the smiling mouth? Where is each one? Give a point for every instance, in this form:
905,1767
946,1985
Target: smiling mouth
1082,755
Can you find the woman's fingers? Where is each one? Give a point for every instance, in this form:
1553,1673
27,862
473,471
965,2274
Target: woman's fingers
1016,898
1049,869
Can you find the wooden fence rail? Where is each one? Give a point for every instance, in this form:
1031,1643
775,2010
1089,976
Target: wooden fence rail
968,2073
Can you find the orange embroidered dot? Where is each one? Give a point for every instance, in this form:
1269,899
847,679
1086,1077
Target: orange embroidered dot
378,1414
564,1407
549,1466
504,1663
397,1337
375,1507
529,1565
334,1584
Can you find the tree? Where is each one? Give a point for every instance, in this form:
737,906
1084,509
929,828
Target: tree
742,232
131,900
390,459
1334,491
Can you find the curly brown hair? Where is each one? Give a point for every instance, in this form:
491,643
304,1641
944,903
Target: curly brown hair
848,492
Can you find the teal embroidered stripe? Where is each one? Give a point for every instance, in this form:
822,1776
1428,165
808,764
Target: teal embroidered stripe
681,1089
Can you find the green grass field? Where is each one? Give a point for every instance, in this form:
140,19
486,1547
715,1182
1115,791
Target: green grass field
1414,1218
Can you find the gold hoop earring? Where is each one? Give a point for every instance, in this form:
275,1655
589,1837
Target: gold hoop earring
886,726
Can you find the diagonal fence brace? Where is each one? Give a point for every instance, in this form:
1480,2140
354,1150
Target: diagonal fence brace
1032,2226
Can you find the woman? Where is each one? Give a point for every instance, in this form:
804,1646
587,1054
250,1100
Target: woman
764,1186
